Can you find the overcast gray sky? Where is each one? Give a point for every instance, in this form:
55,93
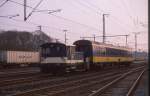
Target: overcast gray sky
81,18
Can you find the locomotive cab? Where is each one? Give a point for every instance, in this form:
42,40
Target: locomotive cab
53,56
59,58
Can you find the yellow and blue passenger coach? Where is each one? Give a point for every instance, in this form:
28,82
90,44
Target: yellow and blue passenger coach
100,54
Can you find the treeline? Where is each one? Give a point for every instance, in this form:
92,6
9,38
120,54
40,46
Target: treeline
22,40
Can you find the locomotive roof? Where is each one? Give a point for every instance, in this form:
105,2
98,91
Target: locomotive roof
52,43
88,42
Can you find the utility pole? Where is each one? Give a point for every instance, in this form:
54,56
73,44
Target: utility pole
65,36
25,4
135,35
40,27
104,27
94,37
126,40
57,40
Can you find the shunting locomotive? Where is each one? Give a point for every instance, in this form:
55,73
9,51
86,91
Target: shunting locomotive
58,57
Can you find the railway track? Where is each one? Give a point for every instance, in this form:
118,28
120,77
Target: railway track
69,84
8,82
22,72
50,82
20,69
142,88
122,86
14,77
31,78
18,72
29,86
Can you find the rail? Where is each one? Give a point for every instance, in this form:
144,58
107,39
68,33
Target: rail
101,90
131,90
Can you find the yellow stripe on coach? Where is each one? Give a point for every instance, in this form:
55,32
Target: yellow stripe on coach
97,59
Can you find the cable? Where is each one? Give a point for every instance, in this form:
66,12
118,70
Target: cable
122,1
57,16
119,22
82,4
103,11
20,4
99,9
58,29
13,25
3,3
95,6
78,7
74,22
74,4
34,9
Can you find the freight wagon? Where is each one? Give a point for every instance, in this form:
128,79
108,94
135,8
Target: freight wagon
21,58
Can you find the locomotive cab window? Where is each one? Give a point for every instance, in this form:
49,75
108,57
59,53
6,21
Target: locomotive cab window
53,50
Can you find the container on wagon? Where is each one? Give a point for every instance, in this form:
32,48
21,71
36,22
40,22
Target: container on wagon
19,57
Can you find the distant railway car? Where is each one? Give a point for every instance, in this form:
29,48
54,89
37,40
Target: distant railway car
100,54
19,58
57,57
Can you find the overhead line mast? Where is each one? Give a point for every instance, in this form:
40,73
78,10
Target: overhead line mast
104,27
25,4
65,36
136,33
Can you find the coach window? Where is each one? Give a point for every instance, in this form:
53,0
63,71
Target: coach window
125,53
130,53
103,51
96,51
115,53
